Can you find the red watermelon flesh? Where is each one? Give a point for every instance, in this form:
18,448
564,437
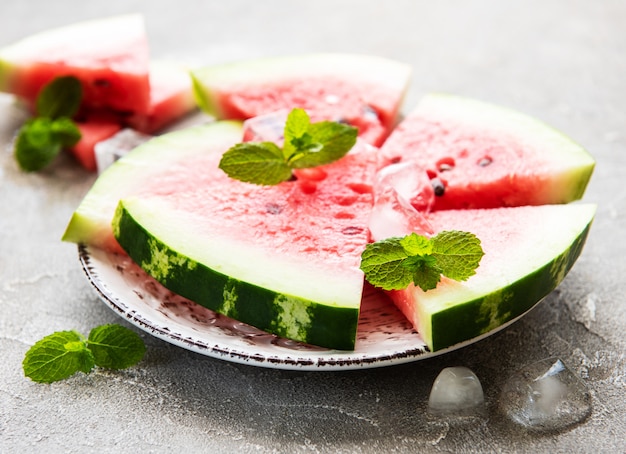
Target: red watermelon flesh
109,56
363,91
482,156
171,97
93,130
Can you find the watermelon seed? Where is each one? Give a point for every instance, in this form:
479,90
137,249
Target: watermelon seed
485,161
101,83
273,208
351,230
438,187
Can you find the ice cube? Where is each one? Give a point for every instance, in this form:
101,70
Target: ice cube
110,150
546,396
398,188
266,128
456,392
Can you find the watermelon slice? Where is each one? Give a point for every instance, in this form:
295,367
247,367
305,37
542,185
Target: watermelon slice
363,91
528,252
94,130
282,258
109,56
483,156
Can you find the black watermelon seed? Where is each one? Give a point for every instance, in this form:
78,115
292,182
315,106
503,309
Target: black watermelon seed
352,230
438,187
484,162
273,208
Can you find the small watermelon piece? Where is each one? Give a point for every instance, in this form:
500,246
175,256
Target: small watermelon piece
94,129
528,252
364,91
171,98
109,56
152,168
484,156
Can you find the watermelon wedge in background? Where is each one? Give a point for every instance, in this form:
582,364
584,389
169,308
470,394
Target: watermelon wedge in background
121,88
109,56
360,90
478,155
171,98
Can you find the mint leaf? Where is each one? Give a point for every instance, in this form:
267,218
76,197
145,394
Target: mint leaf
329,141
306,145
36,146
395,263
57,356
458,254
65,131
259,163
60,98
115,347
382,263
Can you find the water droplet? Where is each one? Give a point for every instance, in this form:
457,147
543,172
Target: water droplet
545,396
458,392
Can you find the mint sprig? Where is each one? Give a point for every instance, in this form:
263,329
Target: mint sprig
64,353
41,138
395,263
306,145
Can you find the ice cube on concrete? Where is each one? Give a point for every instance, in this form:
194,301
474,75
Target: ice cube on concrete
456,391
546,396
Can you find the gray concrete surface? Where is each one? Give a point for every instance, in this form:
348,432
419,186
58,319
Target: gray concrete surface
562,61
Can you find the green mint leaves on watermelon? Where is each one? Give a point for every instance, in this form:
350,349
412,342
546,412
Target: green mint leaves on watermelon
306,145
395,263
62,354
41,138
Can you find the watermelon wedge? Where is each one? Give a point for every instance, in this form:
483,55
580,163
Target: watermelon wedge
528,252
282,258
482,156
109,56
361,90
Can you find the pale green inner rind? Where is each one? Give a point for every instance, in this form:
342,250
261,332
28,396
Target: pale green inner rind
526,129
227,254
141,169
287,315
455,312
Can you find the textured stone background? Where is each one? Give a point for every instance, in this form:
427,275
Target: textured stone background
562,61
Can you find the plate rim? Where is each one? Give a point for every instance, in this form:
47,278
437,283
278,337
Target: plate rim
326,360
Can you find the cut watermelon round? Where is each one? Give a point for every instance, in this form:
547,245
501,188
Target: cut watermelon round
109,57
363,91
483,156
528,252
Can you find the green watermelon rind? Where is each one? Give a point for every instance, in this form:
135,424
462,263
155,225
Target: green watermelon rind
454,323
285,315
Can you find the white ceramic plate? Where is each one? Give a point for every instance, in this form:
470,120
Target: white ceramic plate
384,336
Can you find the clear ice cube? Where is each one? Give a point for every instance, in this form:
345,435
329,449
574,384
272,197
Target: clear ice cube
399,188
546,396
456,392
110,150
